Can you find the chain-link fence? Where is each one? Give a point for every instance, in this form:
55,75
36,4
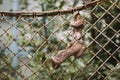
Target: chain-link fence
29,40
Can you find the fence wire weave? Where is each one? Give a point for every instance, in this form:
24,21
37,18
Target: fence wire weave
28,42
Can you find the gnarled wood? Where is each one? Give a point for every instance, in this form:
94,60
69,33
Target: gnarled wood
76,47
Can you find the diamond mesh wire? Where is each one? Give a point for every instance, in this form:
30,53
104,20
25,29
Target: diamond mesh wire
27,44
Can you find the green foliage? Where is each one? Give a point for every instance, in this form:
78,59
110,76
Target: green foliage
48,4
62,3
46,44
36,25
1,1
110,47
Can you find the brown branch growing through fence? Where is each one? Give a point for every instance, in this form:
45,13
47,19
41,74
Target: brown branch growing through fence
50,13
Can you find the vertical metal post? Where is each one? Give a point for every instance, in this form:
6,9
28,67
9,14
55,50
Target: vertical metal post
44,22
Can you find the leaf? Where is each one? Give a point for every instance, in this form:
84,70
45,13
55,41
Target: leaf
80,63
112,78
71,69
61,4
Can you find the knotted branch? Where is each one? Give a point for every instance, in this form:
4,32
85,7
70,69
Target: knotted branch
76,47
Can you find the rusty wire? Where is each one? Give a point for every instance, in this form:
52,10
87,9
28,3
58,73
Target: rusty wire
45,40
51,13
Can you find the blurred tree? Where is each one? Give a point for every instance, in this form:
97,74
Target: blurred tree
1,1
43,51
107,12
